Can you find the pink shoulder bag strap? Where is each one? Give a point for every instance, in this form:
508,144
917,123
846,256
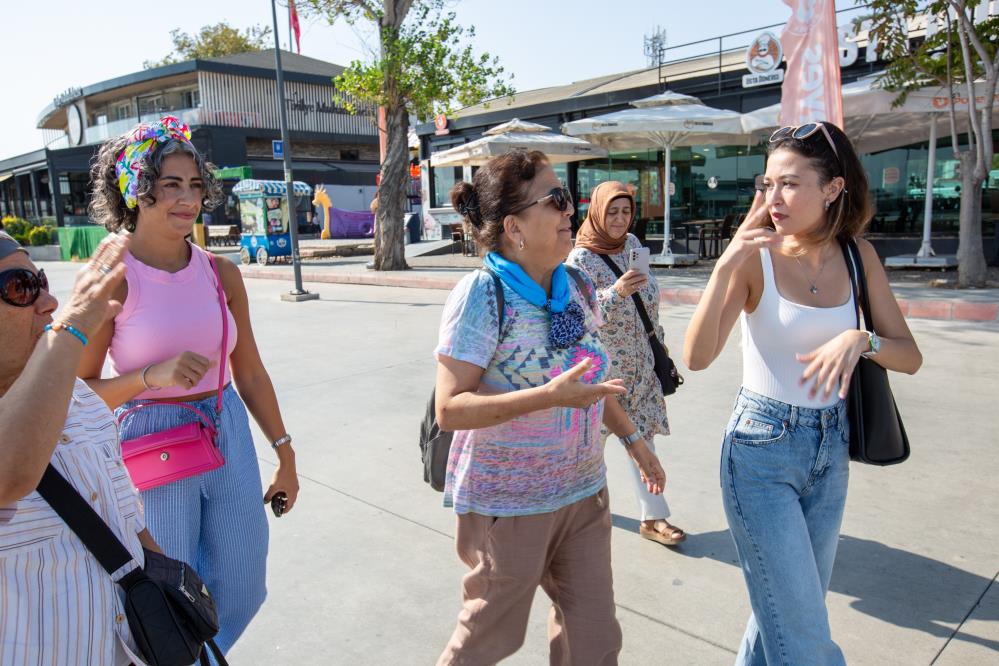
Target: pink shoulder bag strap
186,450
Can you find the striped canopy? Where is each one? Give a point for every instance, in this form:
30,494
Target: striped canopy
270,187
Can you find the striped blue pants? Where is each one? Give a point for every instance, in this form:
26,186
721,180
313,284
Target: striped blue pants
215,521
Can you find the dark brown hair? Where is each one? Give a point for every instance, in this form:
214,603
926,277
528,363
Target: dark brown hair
850,213
107,205
497,188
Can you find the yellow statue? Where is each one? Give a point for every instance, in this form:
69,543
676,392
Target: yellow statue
323,199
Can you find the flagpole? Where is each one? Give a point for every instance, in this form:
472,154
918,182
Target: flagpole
297,293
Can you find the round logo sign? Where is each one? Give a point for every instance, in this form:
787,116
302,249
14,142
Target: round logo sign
440,122
764,53
712,182
281,242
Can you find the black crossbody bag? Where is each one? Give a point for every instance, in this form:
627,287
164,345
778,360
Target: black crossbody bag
877,436
665,369
169,610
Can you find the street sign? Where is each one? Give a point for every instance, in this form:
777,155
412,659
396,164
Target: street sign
277,149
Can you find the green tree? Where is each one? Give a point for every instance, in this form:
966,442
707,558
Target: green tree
213,41
425,65
963,50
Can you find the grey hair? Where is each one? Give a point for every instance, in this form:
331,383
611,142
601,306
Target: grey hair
107,205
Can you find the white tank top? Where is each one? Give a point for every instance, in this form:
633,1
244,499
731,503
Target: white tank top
776,331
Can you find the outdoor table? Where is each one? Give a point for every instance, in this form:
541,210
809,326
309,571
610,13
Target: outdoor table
80,242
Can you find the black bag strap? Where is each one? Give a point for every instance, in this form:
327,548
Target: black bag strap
858,282
85,523
650,330
577,277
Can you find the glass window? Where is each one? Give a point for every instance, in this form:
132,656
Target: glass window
444,180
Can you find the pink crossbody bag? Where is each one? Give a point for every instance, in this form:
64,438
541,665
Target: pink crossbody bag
185,450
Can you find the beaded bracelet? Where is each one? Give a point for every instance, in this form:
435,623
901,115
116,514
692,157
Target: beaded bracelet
59,326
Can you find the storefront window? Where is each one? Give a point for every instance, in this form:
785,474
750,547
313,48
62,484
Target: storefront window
444,180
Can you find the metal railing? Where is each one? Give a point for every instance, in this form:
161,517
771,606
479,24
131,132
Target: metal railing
725,58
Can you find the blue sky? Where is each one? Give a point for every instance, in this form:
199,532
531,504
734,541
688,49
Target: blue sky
51,46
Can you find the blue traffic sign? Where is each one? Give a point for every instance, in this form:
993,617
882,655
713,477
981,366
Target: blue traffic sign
277,149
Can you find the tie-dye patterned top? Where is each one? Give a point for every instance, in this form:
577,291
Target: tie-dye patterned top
539,462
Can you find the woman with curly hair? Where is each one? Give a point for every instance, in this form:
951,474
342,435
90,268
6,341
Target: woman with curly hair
163,346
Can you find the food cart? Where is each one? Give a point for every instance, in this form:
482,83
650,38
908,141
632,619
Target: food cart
263,213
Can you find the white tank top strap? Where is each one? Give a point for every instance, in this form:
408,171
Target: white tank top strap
769,281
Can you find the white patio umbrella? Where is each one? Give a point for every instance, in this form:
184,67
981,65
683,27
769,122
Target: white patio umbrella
516,134
665,121
874,125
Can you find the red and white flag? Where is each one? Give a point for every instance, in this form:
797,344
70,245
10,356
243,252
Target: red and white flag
295,27
811,89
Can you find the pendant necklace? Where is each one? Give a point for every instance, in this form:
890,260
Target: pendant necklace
813,286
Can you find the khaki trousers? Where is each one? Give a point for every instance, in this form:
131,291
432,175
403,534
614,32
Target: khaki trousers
567,553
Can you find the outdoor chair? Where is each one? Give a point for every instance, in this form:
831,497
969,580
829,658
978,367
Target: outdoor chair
711,238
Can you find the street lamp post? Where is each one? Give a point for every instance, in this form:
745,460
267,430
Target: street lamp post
297,293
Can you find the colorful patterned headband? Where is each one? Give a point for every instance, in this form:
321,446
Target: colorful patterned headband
144,138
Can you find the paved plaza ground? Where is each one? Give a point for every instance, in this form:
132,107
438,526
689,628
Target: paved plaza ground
364,570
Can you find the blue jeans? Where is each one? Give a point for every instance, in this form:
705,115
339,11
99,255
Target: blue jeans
214,521
784,473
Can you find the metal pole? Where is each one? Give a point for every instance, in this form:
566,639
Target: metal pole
925,250
297,293
666,256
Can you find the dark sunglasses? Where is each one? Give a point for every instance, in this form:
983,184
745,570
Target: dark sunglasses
802,132
558,197
21,288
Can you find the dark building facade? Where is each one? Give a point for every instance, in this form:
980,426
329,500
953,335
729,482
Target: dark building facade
231,105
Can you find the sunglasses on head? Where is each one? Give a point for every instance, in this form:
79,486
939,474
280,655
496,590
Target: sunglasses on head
21,288
802,132
558,197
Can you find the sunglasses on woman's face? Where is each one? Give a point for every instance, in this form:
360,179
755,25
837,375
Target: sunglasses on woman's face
558,197
802,132
21,288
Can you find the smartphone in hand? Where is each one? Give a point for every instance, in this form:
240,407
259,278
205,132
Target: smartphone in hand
638,259
278,503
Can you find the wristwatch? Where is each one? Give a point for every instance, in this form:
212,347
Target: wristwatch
281,441
628,440
873,344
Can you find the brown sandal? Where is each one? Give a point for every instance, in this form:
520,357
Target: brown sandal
662,532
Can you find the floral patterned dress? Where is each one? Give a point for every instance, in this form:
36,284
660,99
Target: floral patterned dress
624,337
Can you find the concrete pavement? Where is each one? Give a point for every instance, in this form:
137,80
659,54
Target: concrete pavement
364,570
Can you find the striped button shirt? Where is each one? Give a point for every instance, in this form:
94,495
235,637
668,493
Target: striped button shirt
57,604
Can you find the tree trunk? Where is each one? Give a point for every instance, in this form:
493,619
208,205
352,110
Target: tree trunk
971,267
390,232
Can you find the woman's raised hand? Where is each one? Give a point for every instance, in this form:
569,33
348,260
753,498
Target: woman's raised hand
629,283
569,389
752,234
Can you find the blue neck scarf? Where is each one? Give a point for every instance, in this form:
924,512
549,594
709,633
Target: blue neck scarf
568,322
517,279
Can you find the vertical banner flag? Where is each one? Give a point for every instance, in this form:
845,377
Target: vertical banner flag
811,89
295,27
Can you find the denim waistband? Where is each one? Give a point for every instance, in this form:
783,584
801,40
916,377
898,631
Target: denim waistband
792,414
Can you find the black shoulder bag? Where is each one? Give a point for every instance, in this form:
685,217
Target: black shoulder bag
665,368
877,436
170,612
435,444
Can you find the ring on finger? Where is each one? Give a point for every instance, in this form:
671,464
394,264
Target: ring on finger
103,269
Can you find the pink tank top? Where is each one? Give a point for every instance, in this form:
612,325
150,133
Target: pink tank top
166,314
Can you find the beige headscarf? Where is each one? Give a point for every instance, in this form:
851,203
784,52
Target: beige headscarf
593,234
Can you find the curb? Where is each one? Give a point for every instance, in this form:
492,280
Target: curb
939,309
